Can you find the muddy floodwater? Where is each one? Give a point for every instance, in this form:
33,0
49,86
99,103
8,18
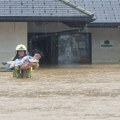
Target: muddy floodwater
84,92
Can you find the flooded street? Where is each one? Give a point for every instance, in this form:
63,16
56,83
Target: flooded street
86,92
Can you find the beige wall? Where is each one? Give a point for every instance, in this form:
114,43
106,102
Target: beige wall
99,54
105,54
47,27
11,34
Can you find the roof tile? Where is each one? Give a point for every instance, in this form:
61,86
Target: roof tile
37,8
104,10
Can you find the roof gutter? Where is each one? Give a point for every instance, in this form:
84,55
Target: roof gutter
44,19
104,25
78,8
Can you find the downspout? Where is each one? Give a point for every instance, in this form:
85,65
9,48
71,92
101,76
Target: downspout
78,8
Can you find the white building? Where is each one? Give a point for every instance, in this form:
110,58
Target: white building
75,32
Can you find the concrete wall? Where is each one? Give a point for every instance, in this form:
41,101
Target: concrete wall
99,35
47,27
105,54
11,34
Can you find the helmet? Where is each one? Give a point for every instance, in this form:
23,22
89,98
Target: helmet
21,47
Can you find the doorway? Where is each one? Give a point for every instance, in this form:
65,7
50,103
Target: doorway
46,44
74,48
61,48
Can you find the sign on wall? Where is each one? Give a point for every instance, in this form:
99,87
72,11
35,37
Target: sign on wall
106,44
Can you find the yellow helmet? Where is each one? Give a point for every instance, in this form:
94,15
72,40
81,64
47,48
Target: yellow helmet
21,47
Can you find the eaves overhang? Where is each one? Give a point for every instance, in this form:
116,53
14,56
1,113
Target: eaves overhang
104,25
45,19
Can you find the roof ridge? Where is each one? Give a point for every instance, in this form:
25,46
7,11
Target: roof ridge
77,7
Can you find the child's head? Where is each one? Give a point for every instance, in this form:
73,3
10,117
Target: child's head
37,56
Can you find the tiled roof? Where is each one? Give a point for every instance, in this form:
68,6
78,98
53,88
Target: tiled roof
105,11
77,7
38,8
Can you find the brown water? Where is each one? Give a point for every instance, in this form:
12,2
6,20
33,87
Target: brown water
86,92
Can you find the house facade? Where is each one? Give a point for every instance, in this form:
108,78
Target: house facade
65,32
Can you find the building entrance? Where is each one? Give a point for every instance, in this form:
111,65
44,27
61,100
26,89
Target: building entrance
46,44
62,48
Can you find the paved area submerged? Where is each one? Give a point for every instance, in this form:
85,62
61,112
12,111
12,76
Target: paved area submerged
85,92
